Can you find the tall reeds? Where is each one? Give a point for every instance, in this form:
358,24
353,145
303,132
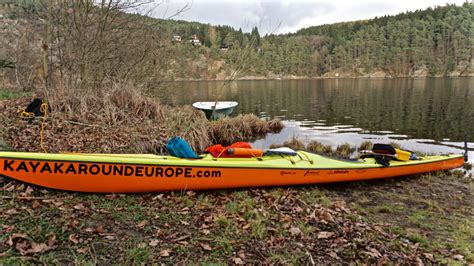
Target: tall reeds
241,128
120,118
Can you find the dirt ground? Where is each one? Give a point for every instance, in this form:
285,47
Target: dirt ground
418,219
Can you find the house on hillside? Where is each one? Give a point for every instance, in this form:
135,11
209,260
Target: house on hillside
176,38
195,40
224,47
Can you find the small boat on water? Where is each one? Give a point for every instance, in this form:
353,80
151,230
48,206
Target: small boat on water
214,110
137,173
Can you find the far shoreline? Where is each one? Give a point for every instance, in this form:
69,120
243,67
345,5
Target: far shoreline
285,78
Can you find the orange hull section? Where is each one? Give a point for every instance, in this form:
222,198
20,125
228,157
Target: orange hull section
137,178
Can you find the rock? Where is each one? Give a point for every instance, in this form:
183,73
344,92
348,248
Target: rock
378,74
421,72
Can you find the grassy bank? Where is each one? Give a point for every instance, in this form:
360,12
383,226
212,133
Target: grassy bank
425,218
82,120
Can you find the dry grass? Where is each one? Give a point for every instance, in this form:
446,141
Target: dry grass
190,124
366,145
241,128
345,150
292,143
113,104
275,125
121,118
317,147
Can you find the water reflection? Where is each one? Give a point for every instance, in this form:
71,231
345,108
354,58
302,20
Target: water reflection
432,112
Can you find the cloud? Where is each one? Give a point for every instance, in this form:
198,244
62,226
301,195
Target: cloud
287,16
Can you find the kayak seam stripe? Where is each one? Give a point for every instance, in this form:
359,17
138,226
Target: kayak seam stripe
235,167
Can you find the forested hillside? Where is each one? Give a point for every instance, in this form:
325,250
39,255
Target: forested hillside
438,41
432,42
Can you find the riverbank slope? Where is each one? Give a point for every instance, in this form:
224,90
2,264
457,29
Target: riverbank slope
415,219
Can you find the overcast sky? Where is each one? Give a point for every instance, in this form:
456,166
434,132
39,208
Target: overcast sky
282,16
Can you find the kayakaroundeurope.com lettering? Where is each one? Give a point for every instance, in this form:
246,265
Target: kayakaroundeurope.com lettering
69,168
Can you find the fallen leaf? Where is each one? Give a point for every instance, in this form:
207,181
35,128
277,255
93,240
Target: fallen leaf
158,197
58,203
35,204
205,246
22,246
241,254
206,231
428,256
83,250
326,216
458,257
298,209
11,211
247,226
237,261
339,204
9,188
79,207
415,246
25,246
158,233
378,229
51,239
165,252
29,190
333,255
182,238
108,236
419,261
324,235
38,248
154,243
99,229
111,196
15,237
373,253
73,238
294,231
142,224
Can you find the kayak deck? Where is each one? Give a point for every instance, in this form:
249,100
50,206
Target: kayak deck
122,173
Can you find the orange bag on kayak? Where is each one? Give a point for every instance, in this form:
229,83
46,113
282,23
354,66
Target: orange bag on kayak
238,150
241,144
215,149
244,152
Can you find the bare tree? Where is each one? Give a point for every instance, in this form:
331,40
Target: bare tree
92,41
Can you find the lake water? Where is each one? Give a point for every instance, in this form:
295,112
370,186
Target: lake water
429,115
